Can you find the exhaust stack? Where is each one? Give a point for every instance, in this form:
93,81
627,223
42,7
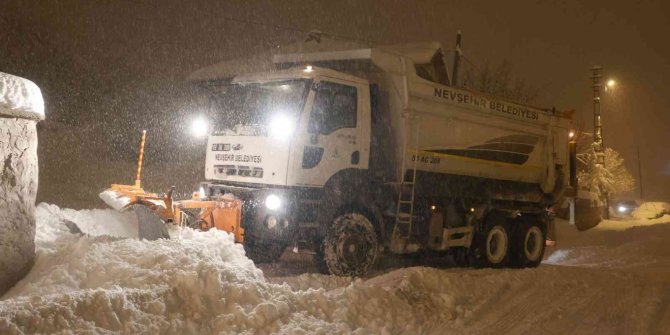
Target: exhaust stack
457,59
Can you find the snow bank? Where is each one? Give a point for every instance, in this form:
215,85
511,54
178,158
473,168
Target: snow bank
198,282
651,210
201,282
20,97
625,244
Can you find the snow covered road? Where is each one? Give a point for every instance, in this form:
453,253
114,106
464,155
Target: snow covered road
607,280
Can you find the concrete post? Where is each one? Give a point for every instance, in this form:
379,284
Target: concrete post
21,107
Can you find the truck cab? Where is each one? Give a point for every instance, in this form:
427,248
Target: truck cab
294,128
282,137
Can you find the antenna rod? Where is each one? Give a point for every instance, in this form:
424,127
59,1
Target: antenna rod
139,160
457,59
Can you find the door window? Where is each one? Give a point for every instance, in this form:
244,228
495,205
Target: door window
334,108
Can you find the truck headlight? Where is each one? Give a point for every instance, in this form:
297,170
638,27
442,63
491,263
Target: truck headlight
281,127
272,202
199,127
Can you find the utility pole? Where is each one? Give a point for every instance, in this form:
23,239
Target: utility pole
457,60
598,146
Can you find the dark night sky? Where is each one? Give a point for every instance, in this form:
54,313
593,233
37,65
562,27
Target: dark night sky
551,44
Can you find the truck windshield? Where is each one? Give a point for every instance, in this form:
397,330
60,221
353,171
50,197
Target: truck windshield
259,109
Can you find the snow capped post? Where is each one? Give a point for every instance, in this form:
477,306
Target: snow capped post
21,107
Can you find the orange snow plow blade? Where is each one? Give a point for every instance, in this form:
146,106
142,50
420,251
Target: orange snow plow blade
154,212
224,214
120,197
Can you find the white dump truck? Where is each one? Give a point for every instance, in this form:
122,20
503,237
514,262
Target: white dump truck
367,150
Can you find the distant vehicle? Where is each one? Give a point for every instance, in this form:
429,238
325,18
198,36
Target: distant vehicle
625,207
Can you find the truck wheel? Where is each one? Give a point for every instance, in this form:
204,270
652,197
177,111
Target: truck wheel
528,245
262,251
350,246
492,248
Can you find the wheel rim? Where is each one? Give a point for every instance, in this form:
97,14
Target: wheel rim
354,246
533,243
496,245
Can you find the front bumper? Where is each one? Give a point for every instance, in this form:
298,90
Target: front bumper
275,222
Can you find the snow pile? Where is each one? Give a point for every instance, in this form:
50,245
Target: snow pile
651,210
20,97
198,282
625,244
201,282
91,221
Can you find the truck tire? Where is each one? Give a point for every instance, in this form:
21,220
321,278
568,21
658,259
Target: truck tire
262,251
491,248
350,246
528,244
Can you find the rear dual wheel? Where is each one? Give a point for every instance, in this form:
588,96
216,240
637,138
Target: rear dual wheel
492,247
529,244
505,242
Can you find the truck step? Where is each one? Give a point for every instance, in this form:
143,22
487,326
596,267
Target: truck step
403,215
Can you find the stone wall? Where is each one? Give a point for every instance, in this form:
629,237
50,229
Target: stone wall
18,187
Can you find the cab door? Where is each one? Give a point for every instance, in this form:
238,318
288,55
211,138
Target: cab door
331,136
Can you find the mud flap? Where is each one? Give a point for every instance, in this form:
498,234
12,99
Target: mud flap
150,226
587,216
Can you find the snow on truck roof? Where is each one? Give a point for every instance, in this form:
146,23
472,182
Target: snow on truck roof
292,73
20,97
262,61
419,53
327,49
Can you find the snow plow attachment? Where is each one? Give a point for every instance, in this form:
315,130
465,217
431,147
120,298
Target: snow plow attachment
155,212
151,210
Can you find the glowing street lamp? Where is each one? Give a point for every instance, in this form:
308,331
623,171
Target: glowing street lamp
611,84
